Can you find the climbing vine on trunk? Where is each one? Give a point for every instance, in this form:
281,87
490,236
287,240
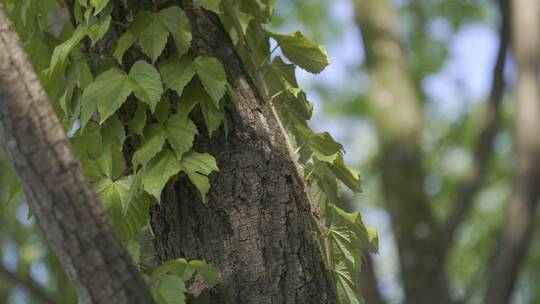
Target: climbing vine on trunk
165,91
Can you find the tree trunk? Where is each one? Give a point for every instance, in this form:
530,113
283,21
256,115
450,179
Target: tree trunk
65,205
519,221
257,226
398,116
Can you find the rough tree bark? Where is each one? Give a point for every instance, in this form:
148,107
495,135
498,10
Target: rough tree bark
398,116
519,220
256,226
65,205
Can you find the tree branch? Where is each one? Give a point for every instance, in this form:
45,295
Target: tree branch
64,203
484,147
517,229
28,284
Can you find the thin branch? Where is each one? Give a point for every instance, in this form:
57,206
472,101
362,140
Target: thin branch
484,148
30,285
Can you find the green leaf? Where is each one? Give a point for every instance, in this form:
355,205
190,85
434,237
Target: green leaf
181,132
113,195
198,166
99,29
107,93
353,222
111,160
172,290
301,51
98,5
213,117
134,250
185,269
348,291
211,5
159,171
137,123
350,177
176,22
149,149
146,83
177,73
113,132
212,76
322,145
62,51
150,32
122,45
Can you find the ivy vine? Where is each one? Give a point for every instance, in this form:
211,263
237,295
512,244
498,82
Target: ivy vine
92,102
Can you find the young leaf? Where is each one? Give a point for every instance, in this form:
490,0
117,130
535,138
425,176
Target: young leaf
113,195
350,177
123,44
176,22
301,51
62,51
152,146
146,83
211,5
198,166
159,171
180,132
98,5
212,76
171,289
107,93
150,32
347,289
99,29
177,73
136,125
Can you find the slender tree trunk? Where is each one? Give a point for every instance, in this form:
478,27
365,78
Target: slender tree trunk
519,221
64,204
397,113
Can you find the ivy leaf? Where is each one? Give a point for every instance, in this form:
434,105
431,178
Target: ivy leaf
303,52
98,5
198,166
159,171
347,289
99,29
134,250
213,77
62,51
176,22
350,177
150,32
113,195
149,149
107,93
211,5
185,269
193,95
181,132
353,222
137,123
171,290
113,132
122,45
146,83
177,73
